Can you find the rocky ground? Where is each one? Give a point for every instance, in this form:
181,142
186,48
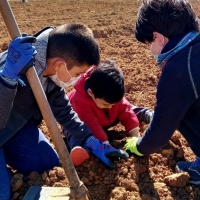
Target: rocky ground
146,178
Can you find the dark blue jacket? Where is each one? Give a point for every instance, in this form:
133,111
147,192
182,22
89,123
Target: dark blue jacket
178,100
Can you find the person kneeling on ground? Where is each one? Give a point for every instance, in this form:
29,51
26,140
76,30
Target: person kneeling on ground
98,99
171,31
63,53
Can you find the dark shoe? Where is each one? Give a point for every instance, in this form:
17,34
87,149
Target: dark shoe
193,169
143,114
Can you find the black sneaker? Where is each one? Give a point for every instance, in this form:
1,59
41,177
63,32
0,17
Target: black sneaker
193,169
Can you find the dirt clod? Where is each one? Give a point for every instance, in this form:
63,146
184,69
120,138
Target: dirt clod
177,180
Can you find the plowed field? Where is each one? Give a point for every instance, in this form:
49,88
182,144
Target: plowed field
147,178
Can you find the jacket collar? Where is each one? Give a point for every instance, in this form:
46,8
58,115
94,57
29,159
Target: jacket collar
173,42
41,47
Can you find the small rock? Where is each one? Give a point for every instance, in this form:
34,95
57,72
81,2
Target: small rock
47,181
154,158
53,179
58,184
85,180
118,193
188,189
52,173
139,168
18,176
16,195
60,172
168,153
176,136
33,175
4,46
180,153
16,184
177,180
123,171
91,173
44,176
135,177
128,184
158,185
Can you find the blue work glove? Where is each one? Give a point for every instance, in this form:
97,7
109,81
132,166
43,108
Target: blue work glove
143,114
131,146
103,151
20,57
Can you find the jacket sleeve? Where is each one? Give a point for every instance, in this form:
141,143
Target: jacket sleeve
87,115
127,116
175,95
66,116
7,95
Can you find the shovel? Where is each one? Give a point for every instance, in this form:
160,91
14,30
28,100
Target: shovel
77,189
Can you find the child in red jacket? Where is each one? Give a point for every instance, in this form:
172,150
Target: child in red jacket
98,99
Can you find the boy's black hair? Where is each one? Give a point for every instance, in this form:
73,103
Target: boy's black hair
168,17
107,82
75,44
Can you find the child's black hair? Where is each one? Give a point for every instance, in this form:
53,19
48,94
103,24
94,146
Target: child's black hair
168,17
107,82
74,43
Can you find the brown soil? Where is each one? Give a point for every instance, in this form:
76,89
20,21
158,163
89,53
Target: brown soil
146,178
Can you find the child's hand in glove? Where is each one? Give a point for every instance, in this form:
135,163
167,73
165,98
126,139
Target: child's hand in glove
102,150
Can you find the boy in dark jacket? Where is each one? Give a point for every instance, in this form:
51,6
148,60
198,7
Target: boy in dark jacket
63,53
98,99
171,31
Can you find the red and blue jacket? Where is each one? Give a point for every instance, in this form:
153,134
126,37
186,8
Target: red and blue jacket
97,118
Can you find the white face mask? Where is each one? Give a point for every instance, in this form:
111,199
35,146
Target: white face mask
63,84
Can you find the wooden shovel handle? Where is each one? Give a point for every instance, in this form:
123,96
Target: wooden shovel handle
78,190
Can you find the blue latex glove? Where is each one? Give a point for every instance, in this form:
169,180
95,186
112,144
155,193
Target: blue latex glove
102,150
20,57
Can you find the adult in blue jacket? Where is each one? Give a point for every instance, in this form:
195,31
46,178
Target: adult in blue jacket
63,53
171,31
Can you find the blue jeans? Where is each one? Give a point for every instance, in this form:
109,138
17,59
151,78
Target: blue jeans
28,150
